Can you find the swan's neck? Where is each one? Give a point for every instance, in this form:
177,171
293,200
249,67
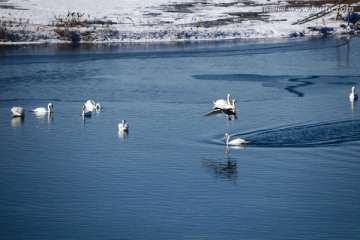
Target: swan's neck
228,99
227,140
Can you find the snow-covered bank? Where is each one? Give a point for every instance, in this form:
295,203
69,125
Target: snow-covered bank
163,20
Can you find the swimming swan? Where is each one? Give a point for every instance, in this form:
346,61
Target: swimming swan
353,95
92,106
123,126
18,112
234,142
44,110
229,110
85,112
221,103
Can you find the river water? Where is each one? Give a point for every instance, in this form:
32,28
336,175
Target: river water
171,176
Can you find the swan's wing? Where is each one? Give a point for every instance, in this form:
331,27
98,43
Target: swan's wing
214,112
17,111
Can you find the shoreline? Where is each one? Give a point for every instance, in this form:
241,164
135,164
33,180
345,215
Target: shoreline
154,43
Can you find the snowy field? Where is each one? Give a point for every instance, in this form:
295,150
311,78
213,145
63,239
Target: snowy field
164,20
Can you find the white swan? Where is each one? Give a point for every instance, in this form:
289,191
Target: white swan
221,103
18,112
228,109
85,112
123,126
234,142
44,110
91,105
353,95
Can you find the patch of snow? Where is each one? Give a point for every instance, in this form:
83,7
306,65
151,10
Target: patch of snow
153,20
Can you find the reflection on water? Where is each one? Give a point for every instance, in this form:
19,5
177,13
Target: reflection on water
17,121
50,118
123,134
41,115
84,120
228,148
226,170
342,53
352,106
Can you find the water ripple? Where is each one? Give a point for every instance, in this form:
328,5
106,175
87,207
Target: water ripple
306,135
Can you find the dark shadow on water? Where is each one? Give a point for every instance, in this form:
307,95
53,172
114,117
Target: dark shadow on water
279,81
239,77
302,83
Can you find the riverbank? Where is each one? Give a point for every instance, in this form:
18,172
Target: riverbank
38,21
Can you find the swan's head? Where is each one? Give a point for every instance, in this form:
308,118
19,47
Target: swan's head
97,107
353,89
227,135
50,106
123,122
229,96
83,108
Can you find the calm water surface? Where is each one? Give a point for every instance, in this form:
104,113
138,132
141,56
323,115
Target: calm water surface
170,176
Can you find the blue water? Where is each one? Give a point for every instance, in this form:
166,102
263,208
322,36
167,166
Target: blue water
171,177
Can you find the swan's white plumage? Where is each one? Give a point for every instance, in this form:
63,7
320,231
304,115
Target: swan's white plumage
44,110
91,105
353,95
123,126
234,142
18,112
221,103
